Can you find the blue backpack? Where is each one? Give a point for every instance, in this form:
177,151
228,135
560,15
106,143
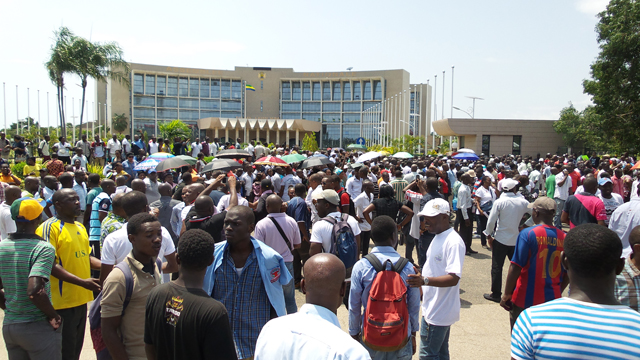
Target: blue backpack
343,242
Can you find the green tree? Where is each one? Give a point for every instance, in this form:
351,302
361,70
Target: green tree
581,127
120,122
174,129
100,61
309,142
615,75
60,64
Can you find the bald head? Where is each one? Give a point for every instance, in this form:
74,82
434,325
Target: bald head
138,185
323,283
204,205
274,204
197,188
11,194
164,189
590,184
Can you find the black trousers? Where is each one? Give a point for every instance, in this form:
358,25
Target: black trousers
365,237
499,252
410,243
466,232
423,246
482,226
74,321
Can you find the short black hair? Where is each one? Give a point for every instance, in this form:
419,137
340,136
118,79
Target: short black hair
133,203
195,249
136,221
386,191
300,189
266,184
592,250
382,229
65,178
94,179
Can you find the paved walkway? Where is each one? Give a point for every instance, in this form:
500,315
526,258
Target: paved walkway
481,333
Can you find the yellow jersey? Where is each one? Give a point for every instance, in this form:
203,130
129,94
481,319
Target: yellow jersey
71,242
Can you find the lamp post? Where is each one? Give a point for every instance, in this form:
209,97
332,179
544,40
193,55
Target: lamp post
473,112
457,108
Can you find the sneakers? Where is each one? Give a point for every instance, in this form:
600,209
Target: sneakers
476,236
490,297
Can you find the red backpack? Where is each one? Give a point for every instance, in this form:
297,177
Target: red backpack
387,315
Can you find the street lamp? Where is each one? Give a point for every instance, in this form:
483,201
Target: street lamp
474,104
457,108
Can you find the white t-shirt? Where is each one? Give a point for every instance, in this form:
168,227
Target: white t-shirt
126,146
153,147
44,146
223,204
323,230
562,192
112,146
98,150
361,202
441,305
116,246
309,201
195,149
213,149
63,148
7,225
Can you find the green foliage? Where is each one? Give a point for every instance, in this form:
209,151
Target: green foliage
444,147
18,168
174,129
309,142
208,159
120,122
583,127
615,79
407,143
96,169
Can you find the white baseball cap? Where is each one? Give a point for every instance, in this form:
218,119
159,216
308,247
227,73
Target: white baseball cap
435,207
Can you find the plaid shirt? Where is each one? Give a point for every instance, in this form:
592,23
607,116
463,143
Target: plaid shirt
627,287
245,299
110,223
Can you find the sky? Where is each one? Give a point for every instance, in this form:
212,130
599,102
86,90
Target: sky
526,59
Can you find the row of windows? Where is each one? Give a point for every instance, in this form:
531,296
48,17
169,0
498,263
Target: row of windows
332,134
486,144
289,106
172,114
186,103
306,90
186,87
325,117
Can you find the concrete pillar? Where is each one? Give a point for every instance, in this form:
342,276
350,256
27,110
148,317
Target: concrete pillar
277,136
237,133
268,137
226,135
257,133
216,134
287,140
246,133
298,137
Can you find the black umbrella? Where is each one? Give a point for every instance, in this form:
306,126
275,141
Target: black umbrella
233,154
171,163
222,165
315,161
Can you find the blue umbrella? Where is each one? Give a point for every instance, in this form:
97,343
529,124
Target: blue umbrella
147,164
466,156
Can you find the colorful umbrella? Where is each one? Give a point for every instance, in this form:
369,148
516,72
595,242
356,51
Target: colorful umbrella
402,155
271,160
161,155
636,166
357,146
368,156
466,156
293,158
189,159
147,164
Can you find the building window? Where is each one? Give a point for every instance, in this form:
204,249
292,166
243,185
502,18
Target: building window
351,106
326,91
295,93
189,103
336,91
350,118
367,90
330,106
316,93
215,88
149,85
311,116
461,145
330,136
162,84
167,114
486,144
346,91
377,90
517,142
204,88
306,91
286,91
168,102
138,84
236,89
261,84
232,105
356,91
172,87
225,89
291,106
184,87
144,101
210,104
330,118
350,133
311,106
261,100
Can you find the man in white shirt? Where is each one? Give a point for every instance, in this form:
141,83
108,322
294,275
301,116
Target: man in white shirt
7,224
214,147
151,183
440,281
290,180
84,145
153,145
247,177
410,177
315,187
64,150
126,144
313,333
250,148
561,194
113,145
328,204
98,147
502,226
361,202
354,183
196,148
116,246
464,212
43,148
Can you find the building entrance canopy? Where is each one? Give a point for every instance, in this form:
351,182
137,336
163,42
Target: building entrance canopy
261,124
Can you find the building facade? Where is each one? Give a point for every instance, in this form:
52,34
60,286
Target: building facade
375,105
491,136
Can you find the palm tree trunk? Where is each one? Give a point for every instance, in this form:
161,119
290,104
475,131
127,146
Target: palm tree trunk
84,88
63,130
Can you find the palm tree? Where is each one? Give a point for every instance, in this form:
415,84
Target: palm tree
60,63
100,61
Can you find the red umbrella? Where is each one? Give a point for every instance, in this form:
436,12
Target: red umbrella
271,160
636,166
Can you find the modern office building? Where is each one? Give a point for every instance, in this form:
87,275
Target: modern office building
282,106
493,136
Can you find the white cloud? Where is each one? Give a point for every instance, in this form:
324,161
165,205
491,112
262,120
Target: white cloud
591,6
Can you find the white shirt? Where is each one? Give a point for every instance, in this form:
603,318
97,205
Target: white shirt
441,305
275,181
112,146
562,192
505,217
250,149
81,190
534,177
83,160
44,146
63,148
624,219
353,187
126,146
7,225
361,202
195,149
313,333
98,150
153,147
213,149
323,230
223,203
152,190
288,181
464,200
309,200
116,246
248,182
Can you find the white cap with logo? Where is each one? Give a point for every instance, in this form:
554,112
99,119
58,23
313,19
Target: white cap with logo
435,207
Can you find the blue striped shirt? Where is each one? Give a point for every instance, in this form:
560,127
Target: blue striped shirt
570,329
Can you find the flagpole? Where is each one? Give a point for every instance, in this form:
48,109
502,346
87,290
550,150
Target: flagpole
39,106
28,111
48,120
4,97
17,113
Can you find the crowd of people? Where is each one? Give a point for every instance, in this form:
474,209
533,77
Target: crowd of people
209,262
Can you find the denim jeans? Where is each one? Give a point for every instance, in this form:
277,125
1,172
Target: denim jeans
434,341
289,291
557,222
403,354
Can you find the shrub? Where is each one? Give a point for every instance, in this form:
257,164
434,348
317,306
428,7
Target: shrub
18,168
96,169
